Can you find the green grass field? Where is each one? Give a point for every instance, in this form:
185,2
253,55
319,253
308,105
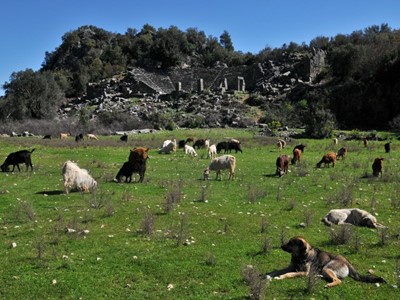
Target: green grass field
176,236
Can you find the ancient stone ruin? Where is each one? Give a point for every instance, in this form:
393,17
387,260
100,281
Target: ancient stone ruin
199,96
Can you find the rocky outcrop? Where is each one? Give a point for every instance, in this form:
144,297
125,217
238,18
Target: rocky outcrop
144,94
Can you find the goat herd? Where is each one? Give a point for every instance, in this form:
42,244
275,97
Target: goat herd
282,162
79,179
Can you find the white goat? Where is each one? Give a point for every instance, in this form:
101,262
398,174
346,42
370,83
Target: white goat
212,151
224,162
77,178
189,150
168,148
166,142
91,136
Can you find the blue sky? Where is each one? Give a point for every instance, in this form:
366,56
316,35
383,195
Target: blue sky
29,28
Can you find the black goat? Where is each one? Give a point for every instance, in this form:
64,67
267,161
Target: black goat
124,138
222,146
300,147
16,158
47,137
129,167
387,147
79,137
234,146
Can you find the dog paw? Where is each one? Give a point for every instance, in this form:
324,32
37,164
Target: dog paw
277,278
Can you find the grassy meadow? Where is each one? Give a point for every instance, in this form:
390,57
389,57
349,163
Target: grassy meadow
176,236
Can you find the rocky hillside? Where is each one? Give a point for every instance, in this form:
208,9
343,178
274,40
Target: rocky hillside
200,97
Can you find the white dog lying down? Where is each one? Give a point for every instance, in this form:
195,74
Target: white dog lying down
354,216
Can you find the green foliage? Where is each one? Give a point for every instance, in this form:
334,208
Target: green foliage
274,125
31,94
226,41
320,124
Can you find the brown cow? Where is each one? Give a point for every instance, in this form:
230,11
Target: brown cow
327,159
282,165
377,166
296,155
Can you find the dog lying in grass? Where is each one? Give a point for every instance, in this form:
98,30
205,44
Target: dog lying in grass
353,216
306,259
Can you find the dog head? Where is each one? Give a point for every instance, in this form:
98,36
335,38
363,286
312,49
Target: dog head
371,222
297,246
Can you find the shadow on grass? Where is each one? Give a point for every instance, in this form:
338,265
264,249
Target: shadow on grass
50,193
271,175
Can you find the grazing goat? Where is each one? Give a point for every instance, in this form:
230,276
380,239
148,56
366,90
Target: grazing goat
64,136
281,144
79,137
224,162
329,158
296,155
300,147
130,167
16,158
387,147
137,163
234,145
342,153
201,143
77,178
47,137
377,166
182,143
189,150
168,147
166,142
212,151
365,142
139,154
222,146
124,138
91,136
282,165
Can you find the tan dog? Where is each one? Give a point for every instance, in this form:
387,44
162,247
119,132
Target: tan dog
306,259
354,216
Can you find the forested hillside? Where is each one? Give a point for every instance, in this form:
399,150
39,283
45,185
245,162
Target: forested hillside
359,87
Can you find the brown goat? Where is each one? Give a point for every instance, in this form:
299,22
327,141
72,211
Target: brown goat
329,158
296,155
282,165
377,166
365,142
